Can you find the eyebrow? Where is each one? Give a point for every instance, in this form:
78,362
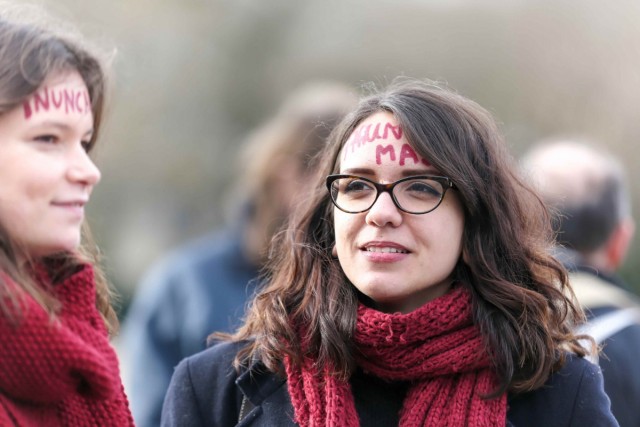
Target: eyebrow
62,126
404,173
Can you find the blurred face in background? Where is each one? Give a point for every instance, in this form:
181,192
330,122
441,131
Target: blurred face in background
399,260
46,175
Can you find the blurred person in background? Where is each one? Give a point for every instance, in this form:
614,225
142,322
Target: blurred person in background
203,286
414,287
587,190
57,367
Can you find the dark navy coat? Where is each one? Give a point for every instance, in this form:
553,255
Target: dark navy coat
206,391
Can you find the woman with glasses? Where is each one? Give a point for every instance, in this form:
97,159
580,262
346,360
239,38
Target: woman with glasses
414,288
57,367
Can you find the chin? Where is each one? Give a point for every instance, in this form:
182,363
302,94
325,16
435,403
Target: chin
386,293
69,245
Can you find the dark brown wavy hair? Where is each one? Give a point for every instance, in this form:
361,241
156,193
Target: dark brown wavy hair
522,301
34,47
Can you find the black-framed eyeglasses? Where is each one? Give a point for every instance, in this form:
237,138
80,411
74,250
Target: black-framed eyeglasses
418,194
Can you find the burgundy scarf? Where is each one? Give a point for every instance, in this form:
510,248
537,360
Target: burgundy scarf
62,372
436,347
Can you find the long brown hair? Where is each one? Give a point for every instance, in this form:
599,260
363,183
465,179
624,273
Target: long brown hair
34,47
522,301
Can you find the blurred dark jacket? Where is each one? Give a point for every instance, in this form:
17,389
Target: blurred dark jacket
207,391
605,297
198,289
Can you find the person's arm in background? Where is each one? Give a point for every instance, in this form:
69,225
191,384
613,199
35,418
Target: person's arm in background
150,343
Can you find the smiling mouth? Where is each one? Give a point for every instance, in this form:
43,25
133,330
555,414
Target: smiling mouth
69,204
386,250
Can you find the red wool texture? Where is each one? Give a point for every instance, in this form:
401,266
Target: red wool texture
436,347
61,372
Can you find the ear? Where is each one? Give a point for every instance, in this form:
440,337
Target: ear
334,251
618,244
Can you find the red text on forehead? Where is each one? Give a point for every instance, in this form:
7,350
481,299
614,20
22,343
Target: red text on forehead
57,99
369,133
406,153
382,150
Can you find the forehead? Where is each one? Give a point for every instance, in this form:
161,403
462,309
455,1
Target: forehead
379,141
65,93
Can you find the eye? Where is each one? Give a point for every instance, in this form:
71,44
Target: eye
87,145
47,139
423,188
354,185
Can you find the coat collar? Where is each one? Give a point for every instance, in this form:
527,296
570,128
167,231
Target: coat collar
257,383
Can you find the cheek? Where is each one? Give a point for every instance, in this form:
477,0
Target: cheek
17,219
455,217
29,176
456,234
445,232
341,225
35,189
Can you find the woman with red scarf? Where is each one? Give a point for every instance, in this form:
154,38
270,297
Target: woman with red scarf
57,367
414,287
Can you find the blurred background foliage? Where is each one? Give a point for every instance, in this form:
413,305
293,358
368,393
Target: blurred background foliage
193,77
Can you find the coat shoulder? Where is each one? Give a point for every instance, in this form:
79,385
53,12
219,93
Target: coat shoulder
572,396
203,389
220,354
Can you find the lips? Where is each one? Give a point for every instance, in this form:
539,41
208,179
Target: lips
385,248
72,208
70,203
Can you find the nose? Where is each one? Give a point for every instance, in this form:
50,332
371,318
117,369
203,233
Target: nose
82,170
384,212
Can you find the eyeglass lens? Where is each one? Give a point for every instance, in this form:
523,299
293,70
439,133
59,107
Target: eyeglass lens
414,195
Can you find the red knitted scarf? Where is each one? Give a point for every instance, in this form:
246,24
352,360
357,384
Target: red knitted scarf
62,372
436,347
